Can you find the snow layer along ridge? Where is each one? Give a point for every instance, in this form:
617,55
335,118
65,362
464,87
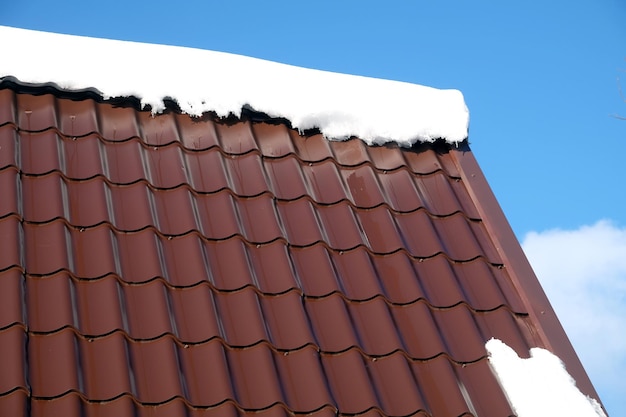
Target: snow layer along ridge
199,81
539,386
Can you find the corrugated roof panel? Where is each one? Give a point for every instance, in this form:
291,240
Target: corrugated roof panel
173,266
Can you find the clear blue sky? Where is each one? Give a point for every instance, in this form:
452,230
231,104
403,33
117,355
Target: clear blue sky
539,78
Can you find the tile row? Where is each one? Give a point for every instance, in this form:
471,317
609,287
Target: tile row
78,119
246,317
259,221
233,263
405,193
246,175
256,378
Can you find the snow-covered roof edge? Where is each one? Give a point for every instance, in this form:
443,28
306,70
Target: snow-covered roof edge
200,81
539,386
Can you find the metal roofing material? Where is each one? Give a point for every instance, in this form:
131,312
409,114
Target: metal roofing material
170,266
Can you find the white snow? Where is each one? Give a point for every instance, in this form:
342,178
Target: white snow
199,81
540,385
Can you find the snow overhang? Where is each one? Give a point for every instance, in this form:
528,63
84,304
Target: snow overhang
199,81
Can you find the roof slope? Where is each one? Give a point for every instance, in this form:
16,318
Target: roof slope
166,265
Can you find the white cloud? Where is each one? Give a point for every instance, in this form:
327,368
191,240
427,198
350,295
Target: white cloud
583,272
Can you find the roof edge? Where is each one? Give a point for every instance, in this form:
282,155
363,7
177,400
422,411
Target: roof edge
550,331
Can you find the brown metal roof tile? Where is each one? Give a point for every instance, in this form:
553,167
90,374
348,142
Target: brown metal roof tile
400,192
183,259
395,385
124,161
435,378
173,210
7,107
245,174
54,369
13,340
92,253
42,197
206,371
397,277
9,183
482,389
39,152
67,405
145,310
314,269
117,123
362,184
105,365
138,256
76,118
330,321
98,304
229,264
8,142
165,166
194,313
286,177
271,263
157,131
257,216
11,296
379,230
131,206
217,215
89,203
196,133
273,141
241,317
415,321
284,316
36,112
356,274
303,380
313,148
156,374
254,376
341,226
236,138
375,328
15,403
387,157
349,152
45,245
349,380
206,170
325,182
81,158
51,306
168,265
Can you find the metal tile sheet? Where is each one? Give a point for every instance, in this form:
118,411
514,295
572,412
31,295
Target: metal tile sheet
165,265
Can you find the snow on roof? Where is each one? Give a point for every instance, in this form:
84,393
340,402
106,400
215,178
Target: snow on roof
540,385
199,81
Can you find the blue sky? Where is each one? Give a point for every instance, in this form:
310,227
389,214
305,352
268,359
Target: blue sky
540,79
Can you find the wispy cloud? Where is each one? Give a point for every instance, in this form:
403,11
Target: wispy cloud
583,272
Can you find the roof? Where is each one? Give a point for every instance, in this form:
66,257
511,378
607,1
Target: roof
163,264
166,265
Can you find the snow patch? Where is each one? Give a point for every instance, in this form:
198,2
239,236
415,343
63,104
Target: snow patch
540,385
200,81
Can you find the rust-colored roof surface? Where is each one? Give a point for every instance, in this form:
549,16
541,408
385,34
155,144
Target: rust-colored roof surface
170,266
